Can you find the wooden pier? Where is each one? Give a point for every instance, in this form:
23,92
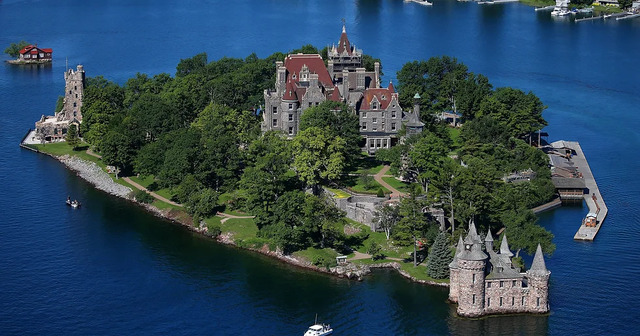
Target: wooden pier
593,198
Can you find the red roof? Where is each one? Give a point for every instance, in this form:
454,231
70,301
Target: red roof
34,50
391,88
314,62
344,43
335,95
369,94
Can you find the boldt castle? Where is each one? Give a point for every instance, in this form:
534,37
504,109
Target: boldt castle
484,282
304,81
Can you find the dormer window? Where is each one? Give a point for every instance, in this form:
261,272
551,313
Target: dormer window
374,106
467,247
384,97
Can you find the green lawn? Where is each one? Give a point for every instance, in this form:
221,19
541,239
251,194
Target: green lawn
144,181
538,3
338,192
454,134
401,186
242,228
312,254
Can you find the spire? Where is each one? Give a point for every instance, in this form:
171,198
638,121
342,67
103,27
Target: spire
344,27
390,87
488,241
489,238
473,232
538,266
504,247
459,249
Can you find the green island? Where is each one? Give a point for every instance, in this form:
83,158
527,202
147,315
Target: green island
194,140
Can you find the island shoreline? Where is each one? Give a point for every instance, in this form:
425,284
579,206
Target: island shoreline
351,272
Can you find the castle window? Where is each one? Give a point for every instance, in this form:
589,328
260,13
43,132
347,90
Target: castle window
364,126
473,299
501,284
393,114
382,115
538,301
385,143
290,106
489,284
275,122
364,114
317,103
75,88
375,128
501,301
374,106
523,301
513,300
488,302
393,126
290,130
310,104
290,116
514,283
384,97
275,109
375,120
76,95
473,278
74,104
372,143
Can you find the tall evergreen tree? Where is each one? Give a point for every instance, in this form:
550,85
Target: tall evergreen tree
439,258
72,136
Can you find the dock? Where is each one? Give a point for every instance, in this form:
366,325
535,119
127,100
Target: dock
593,198
547,8
599,17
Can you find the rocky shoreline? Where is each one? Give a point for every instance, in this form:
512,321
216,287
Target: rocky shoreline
93,174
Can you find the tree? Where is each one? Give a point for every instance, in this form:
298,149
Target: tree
192,65
14,48
117,150
516,111
426,159
624,4
72,136
339,120
447,182
387,218
318,156
439,258
413,223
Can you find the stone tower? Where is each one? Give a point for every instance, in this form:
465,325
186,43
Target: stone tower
73,93
471,273
454,283
538,276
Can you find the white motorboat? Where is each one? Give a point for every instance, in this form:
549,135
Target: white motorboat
561,9
319,330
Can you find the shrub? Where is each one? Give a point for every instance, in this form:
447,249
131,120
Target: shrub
321,261
214,229
375,250
143,197
380,192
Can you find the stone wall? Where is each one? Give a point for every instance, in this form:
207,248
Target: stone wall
506,296
359,208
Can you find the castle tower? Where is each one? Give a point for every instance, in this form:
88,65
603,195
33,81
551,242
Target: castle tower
416,105
73,93
471,263
538,275
488,241
454,283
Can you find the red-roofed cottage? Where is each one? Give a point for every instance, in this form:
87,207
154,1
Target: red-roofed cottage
33,54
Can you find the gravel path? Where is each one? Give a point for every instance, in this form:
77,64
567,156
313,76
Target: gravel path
95,175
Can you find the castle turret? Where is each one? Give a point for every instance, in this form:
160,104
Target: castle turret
538,276
488,241
454,283
416,105
471,263
504,247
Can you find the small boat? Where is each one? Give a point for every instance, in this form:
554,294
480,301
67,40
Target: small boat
420,2
585,10
74,204
319,329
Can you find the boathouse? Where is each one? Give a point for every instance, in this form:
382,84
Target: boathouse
32,53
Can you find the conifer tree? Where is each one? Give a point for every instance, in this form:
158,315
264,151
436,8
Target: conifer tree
439,258
72,136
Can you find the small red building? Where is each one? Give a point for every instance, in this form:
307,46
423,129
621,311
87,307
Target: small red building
32,53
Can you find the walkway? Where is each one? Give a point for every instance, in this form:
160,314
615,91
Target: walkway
580,162
360,256
90,152
378,177
156,196
226,216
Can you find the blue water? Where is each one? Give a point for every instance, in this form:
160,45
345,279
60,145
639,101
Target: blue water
111,268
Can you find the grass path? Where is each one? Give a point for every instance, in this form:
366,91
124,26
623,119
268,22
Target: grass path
156,196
